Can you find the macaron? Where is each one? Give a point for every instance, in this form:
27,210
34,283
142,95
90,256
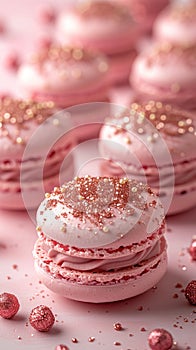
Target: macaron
100,239
145,12
34,142
177,23
68,76
166,72
105,26
154,143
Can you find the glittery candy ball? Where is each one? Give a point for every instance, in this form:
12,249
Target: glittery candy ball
192,248
160,339
41,318
61,347
190,292
9,305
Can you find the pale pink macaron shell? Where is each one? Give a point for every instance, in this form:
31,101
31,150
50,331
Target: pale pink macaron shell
166,72
145,12
171,154
35,140
95,25
68,73
82,235
177,23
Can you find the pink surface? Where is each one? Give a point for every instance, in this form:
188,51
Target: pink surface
164,306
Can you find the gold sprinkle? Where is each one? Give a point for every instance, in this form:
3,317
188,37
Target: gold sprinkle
128,140
181,131
181,123
163,117
152,116
134,189
38,229
47,195
19,140
55,122
77,54
105,229
140,131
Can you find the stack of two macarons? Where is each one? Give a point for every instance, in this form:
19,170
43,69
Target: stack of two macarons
154,143
35,151
105,26
166,72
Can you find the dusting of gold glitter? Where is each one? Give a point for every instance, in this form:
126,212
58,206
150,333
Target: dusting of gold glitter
184,12
101,8
163,52
15,115
99,199
165,118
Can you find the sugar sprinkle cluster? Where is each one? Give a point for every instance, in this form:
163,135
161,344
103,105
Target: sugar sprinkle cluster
15,115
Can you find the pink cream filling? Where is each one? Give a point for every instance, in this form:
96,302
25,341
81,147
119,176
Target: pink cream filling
95,265
10,169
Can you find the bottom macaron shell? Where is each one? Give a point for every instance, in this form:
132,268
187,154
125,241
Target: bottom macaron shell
184,198
12,198
146,277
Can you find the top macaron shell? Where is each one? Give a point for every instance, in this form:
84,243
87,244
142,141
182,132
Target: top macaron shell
67,70
27,121
177,23
101,25
107,223
166,72
152,133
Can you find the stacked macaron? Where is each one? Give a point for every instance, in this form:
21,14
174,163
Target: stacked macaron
105,26
154,143
100,239
177,23
66,75
145,11
34,141
166,72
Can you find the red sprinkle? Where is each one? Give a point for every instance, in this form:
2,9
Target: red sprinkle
74,340
61,347
41,318
118,326
192,248
9,305
190,292
160,339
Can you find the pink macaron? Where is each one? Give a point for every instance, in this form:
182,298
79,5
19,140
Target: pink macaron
166,72
177,23
145,11
105,26
69,76
155,144
100,239
35,151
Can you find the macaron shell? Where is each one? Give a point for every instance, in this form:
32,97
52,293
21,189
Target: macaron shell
177,23
15,197
58,221
97,30
140,280
166,73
